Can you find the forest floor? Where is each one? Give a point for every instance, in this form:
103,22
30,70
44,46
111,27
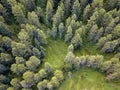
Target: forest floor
56,51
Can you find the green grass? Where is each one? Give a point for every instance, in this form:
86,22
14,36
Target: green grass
56,51
87,79
90,49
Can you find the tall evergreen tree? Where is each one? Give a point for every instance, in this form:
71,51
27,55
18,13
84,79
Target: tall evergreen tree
76,8
49,12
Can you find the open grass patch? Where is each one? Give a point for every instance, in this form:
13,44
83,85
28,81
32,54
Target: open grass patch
88,79
56,51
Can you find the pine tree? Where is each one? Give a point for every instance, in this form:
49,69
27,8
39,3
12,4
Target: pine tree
61,30
76,8
33,19
76,41
19,14
49,12
69,34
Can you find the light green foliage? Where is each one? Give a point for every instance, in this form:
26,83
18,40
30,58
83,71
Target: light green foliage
49,11
69,59
54,81
106,65
76,63
33,63
72,21
6,41
97,3
15,82
19,49
48,68
2,19
24,37
40,75
107,19
110,46
77,41
28,81
40,38
2,9
61,30
59,75
103,40
33,19
86,13
57,18
70,48
116,31
12,2
6,58
18,13
10,88
20,60
42,85
99,34
92,33
69,34
18,68
76,8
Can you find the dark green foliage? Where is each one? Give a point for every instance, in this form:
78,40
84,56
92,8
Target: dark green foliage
4,29
40,14
28,4
3,68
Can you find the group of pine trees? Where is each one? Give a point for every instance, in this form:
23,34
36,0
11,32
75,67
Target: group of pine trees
111,68
74,21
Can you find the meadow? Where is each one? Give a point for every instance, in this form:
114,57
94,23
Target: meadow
86,78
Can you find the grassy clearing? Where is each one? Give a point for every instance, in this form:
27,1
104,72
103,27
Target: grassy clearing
56,51
87,79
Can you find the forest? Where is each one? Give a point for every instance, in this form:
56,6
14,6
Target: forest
59,44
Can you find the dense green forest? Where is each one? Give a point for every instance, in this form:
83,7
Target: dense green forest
59,44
